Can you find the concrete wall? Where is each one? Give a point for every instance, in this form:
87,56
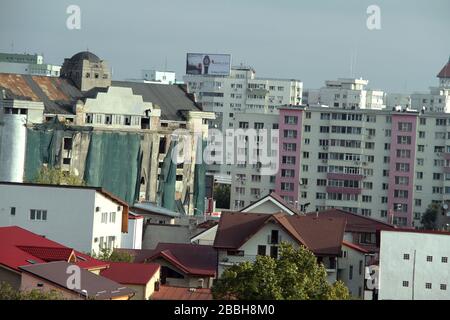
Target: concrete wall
13,278
417,271
71,216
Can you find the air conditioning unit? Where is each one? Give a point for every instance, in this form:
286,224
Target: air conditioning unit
325,148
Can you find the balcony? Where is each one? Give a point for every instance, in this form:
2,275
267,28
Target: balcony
344,176
343,190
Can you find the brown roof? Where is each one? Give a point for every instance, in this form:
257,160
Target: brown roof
178,293
445,72
355,222
97,287
58,95
193,259
321,235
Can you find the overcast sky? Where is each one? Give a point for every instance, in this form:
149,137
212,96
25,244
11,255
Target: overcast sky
308,40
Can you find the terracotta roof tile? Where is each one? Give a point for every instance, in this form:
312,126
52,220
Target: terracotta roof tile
130,273
178,293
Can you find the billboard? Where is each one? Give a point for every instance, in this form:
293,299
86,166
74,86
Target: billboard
208,64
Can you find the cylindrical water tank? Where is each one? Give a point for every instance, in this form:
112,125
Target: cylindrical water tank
13,136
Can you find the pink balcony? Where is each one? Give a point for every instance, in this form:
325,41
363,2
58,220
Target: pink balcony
343,190
344,176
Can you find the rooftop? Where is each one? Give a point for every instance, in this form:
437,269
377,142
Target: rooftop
130,273
192,259
321,235
97,287
178,293
19,247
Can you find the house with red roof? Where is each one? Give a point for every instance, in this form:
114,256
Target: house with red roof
20,247
181,293
243,236
80,217
182,265
55,276
143,278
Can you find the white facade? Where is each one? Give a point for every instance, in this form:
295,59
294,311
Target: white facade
414,266
133,238
155,76
117,108
262,241
248,184
437,100
397,99
78,217
27,64
346,94
351,266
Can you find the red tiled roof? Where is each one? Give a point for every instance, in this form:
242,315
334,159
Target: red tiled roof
178,293
445,72
321,235
354,246
19,246
49,254
355,222
130,273
192,259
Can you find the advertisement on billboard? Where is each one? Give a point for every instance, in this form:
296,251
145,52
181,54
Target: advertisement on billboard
208,64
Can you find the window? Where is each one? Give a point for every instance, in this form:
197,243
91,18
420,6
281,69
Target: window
108,119
38,215
13,211
350,272
239,253
112,217
243,125
444,259
67,144
428,285
274,237
406,256
104,217
405,284
429,258
274,252
443,286
290,120
360,269
261,250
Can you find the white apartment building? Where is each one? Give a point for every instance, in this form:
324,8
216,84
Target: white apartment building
397,99
241,91
248,184
388,165
155,76
83,218
27,64
346,94
414,265
438,99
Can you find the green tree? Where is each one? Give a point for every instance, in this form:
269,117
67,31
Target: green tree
296,275
430,216
222,196
110,255
57,176
9,293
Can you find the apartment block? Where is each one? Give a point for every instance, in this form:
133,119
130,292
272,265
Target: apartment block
388,165
241,91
